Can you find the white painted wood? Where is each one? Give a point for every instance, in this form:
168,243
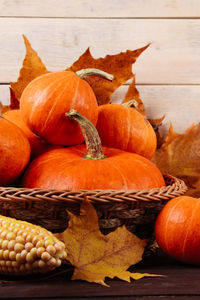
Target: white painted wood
100,8
180,104
172,58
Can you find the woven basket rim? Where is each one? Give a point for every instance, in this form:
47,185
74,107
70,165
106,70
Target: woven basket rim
175,188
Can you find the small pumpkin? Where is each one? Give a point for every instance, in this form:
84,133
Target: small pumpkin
14,151
47,98
91,167
177,229
38,146
123,127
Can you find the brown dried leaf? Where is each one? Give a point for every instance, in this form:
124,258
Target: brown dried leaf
32,68
180,156
96,256
133,94
3,108
119,65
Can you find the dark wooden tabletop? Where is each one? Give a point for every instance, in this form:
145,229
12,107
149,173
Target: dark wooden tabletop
181,282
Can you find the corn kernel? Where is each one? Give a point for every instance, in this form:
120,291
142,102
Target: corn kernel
6,254
12,255
40,244
40,251
3,234
45,256
23,255
48,242
41,264
11,245
18,247
20,239
15,264
51,249
18,257
10,236
8,263
36,239
28,246
29,237
4,244
29,257
33,252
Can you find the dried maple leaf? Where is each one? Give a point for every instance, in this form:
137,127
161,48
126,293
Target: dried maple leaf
32,68
14,103
180,156
133,94
3,108
119,65
96,256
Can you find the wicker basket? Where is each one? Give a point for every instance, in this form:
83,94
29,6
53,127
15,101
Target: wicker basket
136,209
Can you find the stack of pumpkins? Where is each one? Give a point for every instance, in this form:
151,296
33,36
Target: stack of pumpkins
58,113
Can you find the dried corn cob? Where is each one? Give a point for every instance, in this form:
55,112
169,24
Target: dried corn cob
28,249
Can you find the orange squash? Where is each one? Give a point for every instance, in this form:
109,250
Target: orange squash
38,146
91,167
47,98
14,152
177,229
123,127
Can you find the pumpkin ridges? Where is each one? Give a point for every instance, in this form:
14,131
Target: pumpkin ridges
15,151
185,241
177,229
37,101
81,167
125,128
37,145
126,170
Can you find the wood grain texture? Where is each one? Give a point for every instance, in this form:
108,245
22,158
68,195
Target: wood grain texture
100,8
181,280
172,58
180,104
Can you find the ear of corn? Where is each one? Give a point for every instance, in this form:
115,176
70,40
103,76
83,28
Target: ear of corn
26,248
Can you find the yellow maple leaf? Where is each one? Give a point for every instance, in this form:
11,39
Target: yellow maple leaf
96,256
32,68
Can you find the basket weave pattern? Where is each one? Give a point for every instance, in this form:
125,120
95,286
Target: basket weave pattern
136,209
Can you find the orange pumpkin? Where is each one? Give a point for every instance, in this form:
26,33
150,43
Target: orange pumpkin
37,145
123,127
80,168
14,151
177,229
47,98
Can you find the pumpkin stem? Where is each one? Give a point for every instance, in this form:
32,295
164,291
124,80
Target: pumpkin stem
91,71
131,103
91,136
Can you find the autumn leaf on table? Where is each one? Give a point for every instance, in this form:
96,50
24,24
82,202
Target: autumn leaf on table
119,65
96,256
180,156
32,68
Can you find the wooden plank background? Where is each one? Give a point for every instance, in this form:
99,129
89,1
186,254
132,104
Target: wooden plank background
167,73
